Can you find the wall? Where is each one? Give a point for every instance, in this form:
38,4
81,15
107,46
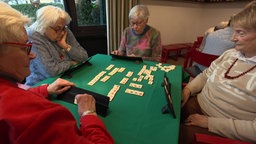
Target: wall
184,21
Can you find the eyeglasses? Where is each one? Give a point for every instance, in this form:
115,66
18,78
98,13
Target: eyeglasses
27,45
136,23
59,30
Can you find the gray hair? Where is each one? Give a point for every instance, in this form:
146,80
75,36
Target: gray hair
140,12
246,18
11,23
48,16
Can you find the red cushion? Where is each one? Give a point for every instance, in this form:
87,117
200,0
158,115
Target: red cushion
208,139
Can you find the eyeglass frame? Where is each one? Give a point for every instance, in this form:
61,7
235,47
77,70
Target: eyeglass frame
27,45
60,30
137,23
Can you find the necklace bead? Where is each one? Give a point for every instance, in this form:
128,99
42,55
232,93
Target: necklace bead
234,77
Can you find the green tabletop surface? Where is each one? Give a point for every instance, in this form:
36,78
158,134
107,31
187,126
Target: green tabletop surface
131,119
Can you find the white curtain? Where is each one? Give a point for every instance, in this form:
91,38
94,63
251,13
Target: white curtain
117,20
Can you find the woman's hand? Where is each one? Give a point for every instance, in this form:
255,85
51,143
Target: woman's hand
59,86
197,120
86,103
185,95
63,42
74,62
117,52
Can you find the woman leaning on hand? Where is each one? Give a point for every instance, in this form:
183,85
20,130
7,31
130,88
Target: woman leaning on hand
54,44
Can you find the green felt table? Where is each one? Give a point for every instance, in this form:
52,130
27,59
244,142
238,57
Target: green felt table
132,119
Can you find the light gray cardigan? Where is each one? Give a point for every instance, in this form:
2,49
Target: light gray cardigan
51,59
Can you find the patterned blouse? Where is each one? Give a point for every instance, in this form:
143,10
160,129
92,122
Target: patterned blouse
146,45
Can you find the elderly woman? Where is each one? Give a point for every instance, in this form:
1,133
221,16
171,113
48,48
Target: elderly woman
53,43
140,39
27,116
222,100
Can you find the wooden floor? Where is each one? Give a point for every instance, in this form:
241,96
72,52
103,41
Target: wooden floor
178,62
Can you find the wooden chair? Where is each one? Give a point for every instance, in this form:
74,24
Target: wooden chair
196,56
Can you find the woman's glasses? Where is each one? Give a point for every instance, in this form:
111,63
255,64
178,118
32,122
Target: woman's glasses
59,30
136,23
27,45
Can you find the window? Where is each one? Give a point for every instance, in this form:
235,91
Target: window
90,12
88,19
29,7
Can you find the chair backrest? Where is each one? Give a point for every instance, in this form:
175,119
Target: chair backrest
201,58
194,55
199,40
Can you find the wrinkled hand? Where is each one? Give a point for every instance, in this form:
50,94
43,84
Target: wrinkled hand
185,95
85,102
197,120
59,86
74,62
62,42
117,52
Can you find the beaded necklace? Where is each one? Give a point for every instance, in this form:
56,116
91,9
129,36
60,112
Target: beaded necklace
234,77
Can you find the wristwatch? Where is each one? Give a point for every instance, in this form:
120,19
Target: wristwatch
87,112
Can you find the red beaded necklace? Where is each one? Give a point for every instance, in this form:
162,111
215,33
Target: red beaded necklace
234,77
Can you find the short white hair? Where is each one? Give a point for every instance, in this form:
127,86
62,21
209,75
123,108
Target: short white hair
48,16
139,11
11,23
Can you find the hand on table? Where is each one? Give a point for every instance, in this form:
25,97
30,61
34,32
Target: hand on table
74,62
59,86
197,120
85,103
117,52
